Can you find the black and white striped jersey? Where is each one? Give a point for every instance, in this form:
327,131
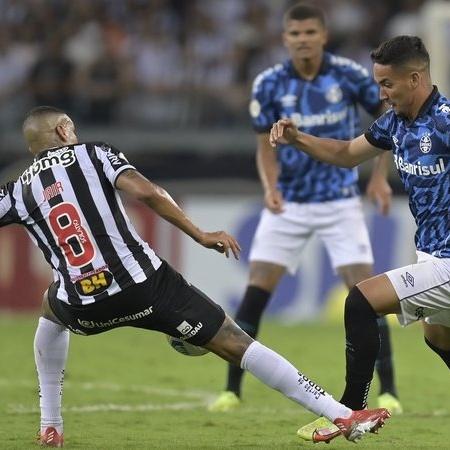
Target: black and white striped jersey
68,203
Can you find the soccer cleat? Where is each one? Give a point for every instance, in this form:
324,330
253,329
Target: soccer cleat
360,422
321,430
50,438
391,403
225,402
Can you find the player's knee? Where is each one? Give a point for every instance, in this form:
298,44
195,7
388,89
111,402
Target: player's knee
265,275
230,342
355,273
361,325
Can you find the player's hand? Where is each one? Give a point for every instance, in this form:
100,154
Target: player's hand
283,132
274,201
221,242
380,193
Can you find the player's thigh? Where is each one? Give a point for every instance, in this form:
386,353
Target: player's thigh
184,311
280,238
344,232
47,311
423,290
438,335
381,295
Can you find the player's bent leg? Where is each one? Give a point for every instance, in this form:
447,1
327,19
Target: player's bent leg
369,298
232,344
355,273
437,337
263,279
51,345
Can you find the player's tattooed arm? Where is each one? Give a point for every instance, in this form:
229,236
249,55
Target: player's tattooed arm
158,199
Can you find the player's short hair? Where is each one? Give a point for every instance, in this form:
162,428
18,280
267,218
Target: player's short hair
41,111
304,11
402,51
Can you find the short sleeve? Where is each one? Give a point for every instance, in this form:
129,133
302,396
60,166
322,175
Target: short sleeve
113,161
364,88
262,111
380,133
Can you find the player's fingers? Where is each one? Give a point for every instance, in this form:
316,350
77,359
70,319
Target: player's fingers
235,248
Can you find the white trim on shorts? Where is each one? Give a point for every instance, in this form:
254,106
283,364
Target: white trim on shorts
339,224
424,290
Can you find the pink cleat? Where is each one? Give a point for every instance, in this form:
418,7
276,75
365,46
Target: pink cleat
360,422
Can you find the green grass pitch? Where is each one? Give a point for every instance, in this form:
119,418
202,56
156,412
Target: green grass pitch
127,389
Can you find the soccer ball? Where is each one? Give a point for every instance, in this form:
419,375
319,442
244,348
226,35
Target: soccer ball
185,348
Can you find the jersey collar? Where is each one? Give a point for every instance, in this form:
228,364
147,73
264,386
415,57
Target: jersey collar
429,102
323,67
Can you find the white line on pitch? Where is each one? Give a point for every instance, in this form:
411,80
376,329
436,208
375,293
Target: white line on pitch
106,407
144,389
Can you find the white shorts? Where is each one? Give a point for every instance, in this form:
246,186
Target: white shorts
340,224
423,290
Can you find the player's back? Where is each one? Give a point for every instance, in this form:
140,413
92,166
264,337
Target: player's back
67,201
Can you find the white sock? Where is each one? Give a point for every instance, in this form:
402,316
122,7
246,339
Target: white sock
278,373
51,344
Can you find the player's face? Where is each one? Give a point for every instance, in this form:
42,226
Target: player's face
304,39
396,88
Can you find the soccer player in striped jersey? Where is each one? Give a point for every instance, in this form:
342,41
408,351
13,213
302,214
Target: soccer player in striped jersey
303,197
106,276
416,129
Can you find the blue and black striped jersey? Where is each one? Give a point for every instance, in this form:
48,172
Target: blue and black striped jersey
422,156
326,107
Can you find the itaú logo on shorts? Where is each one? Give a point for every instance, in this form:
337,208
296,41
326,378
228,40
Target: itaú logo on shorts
187,330
419,169
116,320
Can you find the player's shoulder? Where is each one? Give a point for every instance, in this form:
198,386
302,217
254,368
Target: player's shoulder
441,114
388,118
270,75
96,145
442,107
346,65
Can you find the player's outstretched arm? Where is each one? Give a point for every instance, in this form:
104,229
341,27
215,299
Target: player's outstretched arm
332,151
158,199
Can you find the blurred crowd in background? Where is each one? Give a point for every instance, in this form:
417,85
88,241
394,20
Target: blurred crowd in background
147,63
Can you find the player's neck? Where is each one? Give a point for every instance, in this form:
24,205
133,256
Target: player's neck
308,68
417,105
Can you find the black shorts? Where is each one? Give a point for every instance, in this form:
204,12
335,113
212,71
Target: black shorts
164,302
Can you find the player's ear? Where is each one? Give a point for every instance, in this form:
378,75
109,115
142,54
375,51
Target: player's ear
61,131
414,80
